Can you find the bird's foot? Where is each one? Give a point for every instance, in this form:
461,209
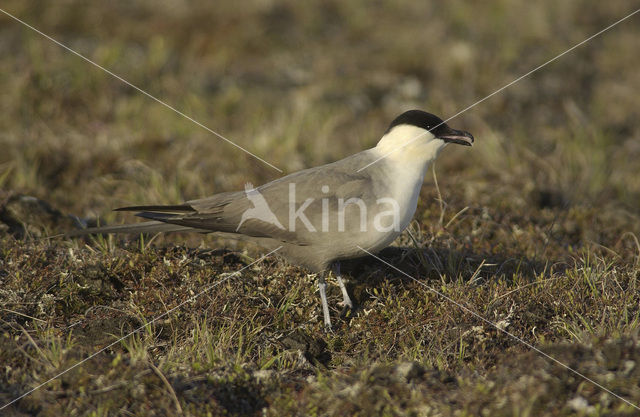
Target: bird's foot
328,328
346,303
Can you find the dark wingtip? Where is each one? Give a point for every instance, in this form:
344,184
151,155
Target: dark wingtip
157,216
181,208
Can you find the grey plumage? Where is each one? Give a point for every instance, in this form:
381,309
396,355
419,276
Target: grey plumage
318,238
313,250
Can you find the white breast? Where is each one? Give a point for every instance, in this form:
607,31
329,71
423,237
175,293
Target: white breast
405,189
407,153
402,184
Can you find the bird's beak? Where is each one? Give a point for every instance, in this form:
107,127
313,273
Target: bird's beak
456,136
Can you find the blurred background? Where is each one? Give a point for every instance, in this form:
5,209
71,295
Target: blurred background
535,227
303,84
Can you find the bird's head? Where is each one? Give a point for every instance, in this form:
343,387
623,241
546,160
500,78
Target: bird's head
418,134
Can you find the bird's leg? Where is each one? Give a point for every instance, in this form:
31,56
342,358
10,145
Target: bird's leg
346,301
322,286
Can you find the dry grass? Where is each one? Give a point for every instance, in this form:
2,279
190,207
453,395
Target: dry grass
537,229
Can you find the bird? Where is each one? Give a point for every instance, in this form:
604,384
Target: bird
322,215
261,209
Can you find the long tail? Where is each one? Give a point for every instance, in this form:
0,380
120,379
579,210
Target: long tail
137,228
155,226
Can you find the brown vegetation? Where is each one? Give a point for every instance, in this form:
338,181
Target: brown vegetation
535,228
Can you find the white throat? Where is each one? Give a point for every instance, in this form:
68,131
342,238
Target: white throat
408,151
409,145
